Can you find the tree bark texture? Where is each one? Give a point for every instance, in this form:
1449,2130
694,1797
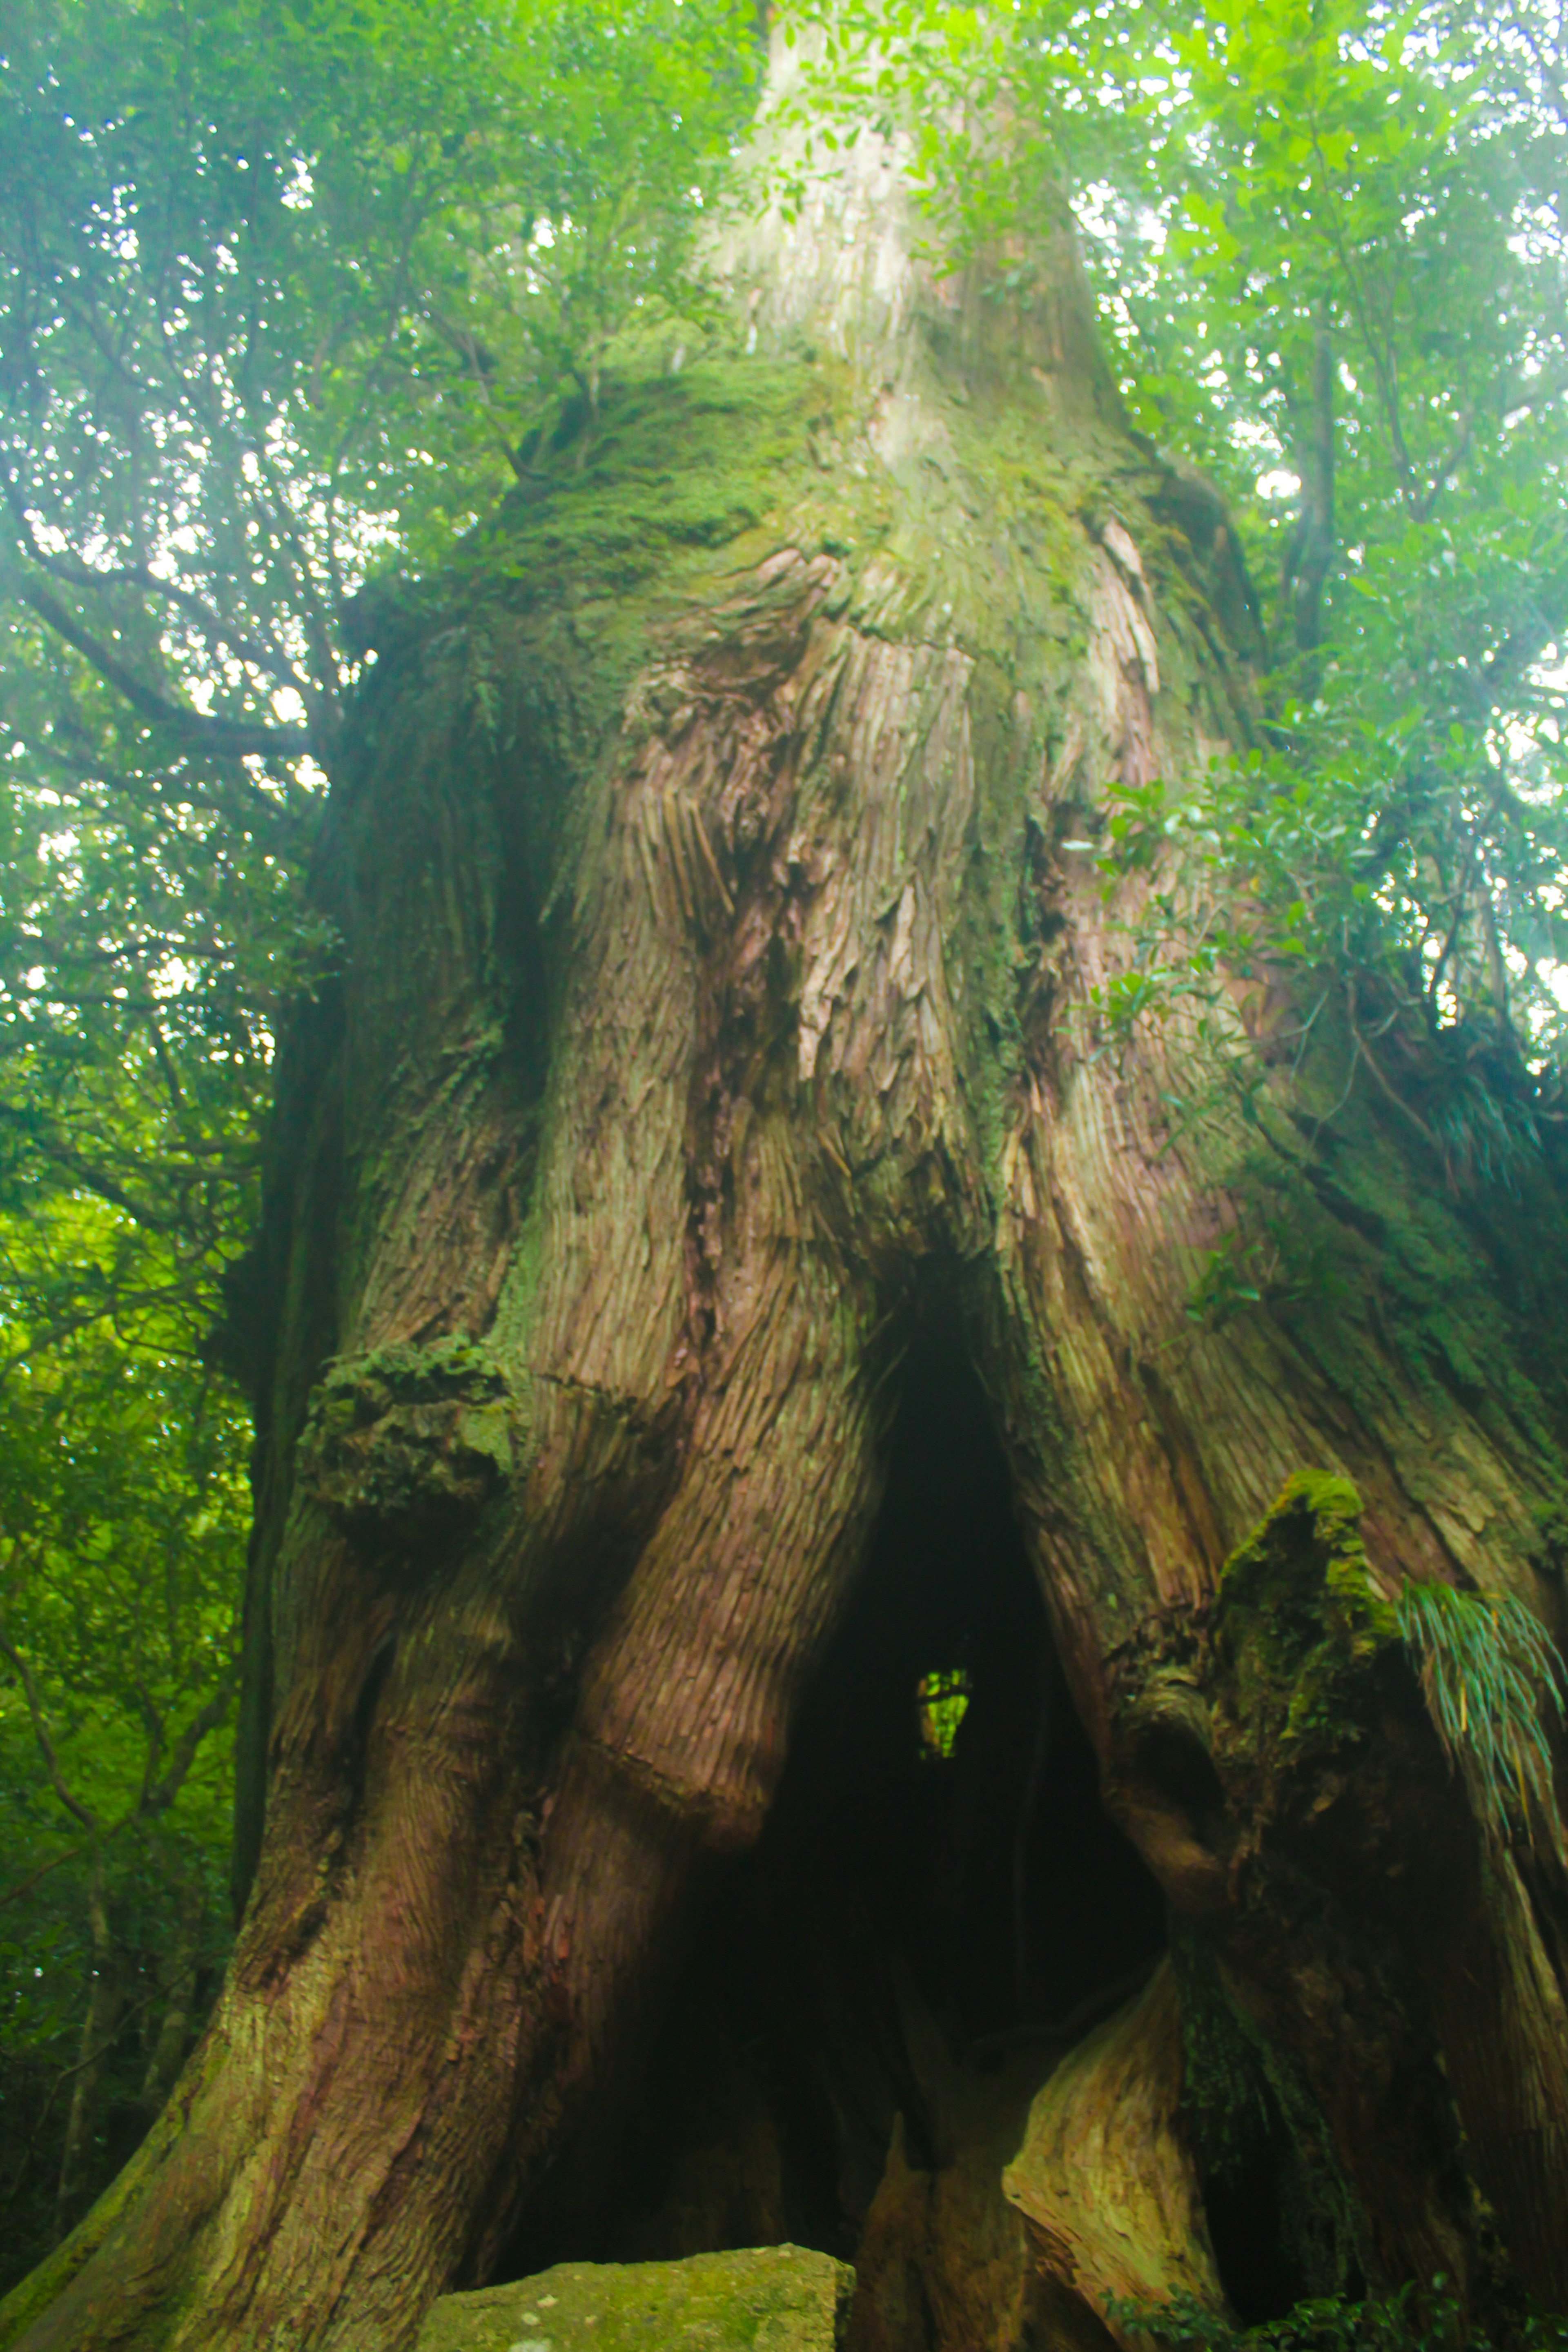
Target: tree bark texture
716,965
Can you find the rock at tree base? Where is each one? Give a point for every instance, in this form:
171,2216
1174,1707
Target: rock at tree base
766,2299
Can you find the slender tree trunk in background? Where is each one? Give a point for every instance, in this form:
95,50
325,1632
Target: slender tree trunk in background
178,1974
718,979
105,2003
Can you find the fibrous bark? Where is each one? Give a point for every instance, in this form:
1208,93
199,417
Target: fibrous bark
1104,2175
719,961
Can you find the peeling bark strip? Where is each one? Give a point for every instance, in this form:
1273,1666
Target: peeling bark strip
731,982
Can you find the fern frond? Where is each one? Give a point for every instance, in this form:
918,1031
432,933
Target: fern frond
1488,1671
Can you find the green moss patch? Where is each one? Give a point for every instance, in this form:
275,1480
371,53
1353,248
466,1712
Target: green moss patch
409,1443
1300,1620
766,2299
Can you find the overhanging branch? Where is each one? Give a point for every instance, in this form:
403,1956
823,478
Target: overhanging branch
56,1779
269,659
239,738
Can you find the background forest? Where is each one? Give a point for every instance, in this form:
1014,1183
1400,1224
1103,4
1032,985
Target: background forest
291,297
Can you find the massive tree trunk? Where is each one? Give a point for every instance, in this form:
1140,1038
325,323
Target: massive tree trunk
715,1026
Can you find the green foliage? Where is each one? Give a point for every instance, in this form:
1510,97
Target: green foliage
123,1507
1413,2320
146,939
944,1703
349,258
150,931
1488,1671
1387,193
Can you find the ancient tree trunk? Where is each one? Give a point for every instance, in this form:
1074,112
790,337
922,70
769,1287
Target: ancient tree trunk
716,987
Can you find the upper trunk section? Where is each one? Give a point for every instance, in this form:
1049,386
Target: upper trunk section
846,257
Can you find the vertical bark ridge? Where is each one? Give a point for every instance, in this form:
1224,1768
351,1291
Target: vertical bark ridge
1103,2174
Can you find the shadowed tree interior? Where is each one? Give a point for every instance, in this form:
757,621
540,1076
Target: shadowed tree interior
936,1896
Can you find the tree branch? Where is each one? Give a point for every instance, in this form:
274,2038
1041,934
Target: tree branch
271,661
163,1793
1392,1092
25,1886
1448,464
237,737
156,1800
1520,648
467,349
95,1179
1311,545
23,1674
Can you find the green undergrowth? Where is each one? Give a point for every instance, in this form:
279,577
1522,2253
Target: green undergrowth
1413,2320
1301,1620
1488,1672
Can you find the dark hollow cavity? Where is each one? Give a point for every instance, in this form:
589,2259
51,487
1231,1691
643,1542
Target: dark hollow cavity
925,1884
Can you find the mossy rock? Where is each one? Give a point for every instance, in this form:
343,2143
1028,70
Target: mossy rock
766,2299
